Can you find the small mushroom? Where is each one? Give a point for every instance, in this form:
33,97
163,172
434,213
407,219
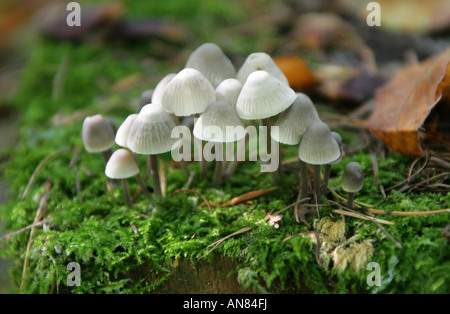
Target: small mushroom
98,135
122,166
150,134
188,93
264,96
326,174
159,89
121,140
352,180
292,123
318,147
219,124
210,60
257,61
229,91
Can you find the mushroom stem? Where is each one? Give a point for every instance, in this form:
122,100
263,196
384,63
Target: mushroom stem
317,183
126,193
275,174
183,163
143,186
304,187
218,173
155,176
241,148
350,200
203,163
106,155
326,176
140,180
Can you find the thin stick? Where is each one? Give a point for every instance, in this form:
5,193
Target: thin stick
215,244
361,216
39,214
39,167
400,213
37,224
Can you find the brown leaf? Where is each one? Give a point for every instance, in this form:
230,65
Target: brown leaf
404,103
296,71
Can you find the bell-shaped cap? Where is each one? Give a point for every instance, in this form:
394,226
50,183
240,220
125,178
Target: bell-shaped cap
317,146
228,91
210,60
160,87
124,129
189,92
150,133
260,61
121,165
263,96
338,138
353,177
294,121
219,123
98,134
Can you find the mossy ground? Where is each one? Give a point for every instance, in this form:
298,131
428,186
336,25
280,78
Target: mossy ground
93,227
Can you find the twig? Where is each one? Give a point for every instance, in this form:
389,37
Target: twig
39,214
361,216
377,222
39,167
215,244
400,213
37,224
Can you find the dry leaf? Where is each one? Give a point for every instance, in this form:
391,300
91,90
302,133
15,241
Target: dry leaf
296,70
404,103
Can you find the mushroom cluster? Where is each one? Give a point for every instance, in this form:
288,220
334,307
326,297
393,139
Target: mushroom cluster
221,101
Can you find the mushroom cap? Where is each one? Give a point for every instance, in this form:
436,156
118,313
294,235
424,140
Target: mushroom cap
98,134
121,165
338,138
189,92
160,87
150,133
317,146
124,129
294,121
219,123
263,96
260,61
353,177
210,60
229,91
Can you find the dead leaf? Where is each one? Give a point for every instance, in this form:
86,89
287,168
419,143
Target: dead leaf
404,103
296,71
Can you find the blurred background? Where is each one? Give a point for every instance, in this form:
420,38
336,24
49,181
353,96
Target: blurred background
53,75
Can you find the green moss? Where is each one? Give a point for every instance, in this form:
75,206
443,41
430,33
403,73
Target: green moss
93,227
